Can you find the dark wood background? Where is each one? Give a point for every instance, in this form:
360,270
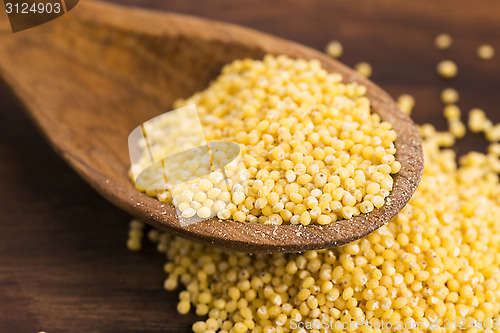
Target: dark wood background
64,266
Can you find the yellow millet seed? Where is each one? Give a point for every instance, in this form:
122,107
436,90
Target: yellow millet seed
183,307
443,41
494,149
364,69
134,244
485,52
406,103
449,96
493,133
302,133
447,69
135,234
334,49
478,121
451,112
199,327
457,128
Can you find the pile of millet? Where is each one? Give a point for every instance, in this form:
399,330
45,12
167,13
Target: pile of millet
438,259
311,149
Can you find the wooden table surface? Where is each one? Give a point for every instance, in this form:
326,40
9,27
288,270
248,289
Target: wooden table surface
64,266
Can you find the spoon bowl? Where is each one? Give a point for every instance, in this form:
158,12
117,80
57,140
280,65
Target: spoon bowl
90,77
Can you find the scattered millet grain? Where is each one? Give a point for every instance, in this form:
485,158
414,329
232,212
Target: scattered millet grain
443,41
486,52
334,49
452,112
449,96
447,69
312,150
406,103
135,235
477,121
492,133
364,69
457,128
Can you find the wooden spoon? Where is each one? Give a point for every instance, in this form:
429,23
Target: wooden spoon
91,76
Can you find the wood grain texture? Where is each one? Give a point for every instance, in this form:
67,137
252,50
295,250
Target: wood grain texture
88,79
63,265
